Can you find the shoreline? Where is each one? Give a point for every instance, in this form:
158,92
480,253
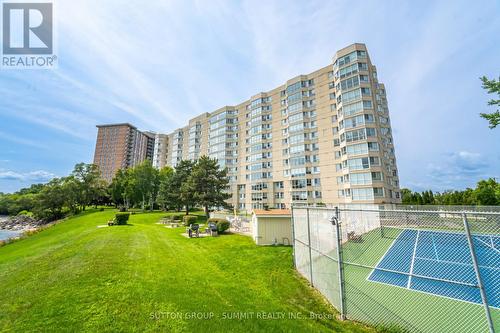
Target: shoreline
18,224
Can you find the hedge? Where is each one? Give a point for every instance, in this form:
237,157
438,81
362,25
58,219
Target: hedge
121,218
222,224
189,219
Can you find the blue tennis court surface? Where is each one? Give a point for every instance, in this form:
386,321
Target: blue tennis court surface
440,263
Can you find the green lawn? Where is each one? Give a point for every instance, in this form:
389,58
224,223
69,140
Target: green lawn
75,277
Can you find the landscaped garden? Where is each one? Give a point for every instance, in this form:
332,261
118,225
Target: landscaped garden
144,277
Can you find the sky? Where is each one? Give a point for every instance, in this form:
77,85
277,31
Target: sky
157,64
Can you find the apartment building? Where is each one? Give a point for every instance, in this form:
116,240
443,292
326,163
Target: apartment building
324,137
160,150
120,146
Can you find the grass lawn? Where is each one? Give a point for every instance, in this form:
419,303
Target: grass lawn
144,277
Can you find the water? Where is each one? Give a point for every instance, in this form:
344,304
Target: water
6,234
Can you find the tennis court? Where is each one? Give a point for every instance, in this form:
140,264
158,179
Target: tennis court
440,263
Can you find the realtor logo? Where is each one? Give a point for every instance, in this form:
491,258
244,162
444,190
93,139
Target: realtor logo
27,35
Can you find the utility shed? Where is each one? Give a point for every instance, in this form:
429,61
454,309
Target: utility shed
272,227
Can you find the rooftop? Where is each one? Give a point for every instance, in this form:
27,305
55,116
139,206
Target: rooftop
272,212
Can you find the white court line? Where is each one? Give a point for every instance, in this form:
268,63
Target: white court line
435,295
434,246
488,245
458,263
413,260
383,257
456,298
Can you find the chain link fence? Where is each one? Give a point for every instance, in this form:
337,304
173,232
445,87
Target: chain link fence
416,270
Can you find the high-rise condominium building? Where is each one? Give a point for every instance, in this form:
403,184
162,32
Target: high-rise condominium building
324,137
160,150
121,146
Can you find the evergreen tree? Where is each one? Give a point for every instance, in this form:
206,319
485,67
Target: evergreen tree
492,86
208,184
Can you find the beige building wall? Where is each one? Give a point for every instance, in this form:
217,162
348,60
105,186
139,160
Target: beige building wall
321,138
160,151
272,229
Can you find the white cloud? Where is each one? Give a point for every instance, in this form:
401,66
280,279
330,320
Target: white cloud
32,176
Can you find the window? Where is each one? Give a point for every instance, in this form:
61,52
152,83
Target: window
351,95
296,117
373,146
349,83
294,98
299,183
363,78
352,109
378,191
355,135
358,163
362,194
365,91
357,149
364,178
347,71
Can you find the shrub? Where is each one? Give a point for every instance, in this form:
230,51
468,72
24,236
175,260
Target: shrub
176,217
222,224
189,219
24,212
121,218
101,209
122,209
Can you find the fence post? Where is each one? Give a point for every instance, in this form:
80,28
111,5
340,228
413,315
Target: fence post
478,274
336,221
310,250
293,241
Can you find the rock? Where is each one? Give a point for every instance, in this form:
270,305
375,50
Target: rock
20,223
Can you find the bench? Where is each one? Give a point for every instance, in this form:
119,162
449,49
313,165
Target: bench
212,229
351,236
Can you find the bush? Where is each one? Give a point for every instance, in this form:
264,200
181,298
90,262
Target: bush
122,209
222,224
101,209
121,218
189,219
177,217
24,212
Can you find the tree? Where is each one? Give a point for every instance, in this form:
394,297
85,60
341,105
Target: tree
208,184
492,86
51,200
182,196
88,177
486,192
72,190
164,179
145,177
117,188
406,196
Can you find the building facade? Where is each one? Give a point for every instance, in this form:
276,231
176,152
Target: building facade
320,138
324,138
120,146
160,150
